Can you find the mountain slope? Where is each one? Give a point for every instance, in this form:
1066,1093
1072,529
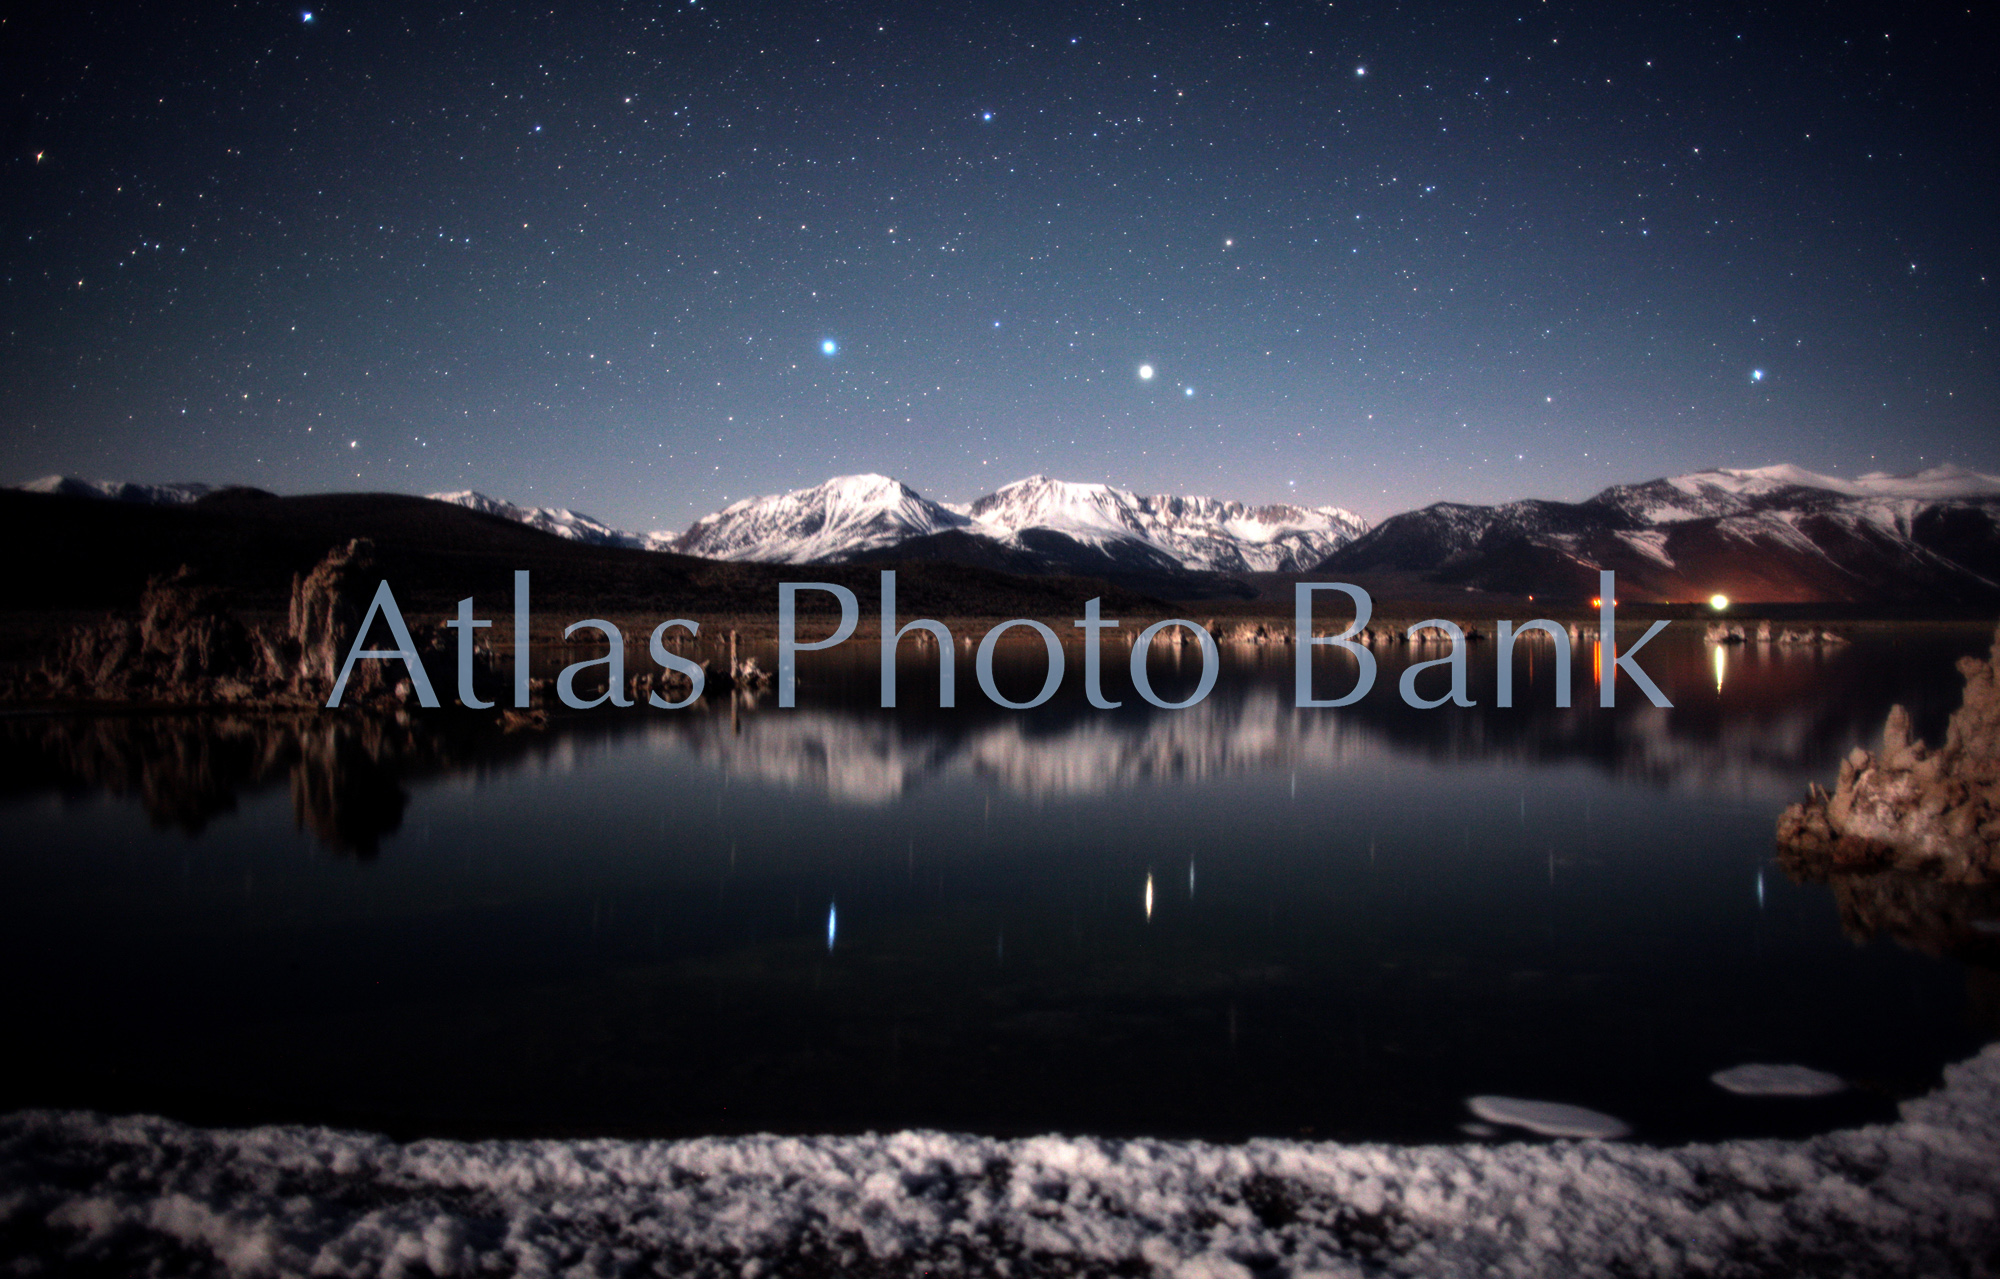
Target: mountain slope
1774,534
1201,533
827,523
573,525
1060,526
119,490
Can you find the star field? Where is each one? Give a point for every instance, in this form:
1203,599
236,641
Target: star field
645,260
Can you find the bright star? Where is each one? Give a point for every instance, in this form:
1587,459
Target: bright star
986,115
307,16
828,347
1756,375
1188,391
1145,372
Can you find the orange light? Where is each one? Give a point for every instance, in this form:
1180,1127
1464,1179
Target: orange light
1595,602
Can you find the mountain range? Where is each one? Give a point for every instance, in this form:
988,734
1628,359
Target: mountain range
1036,524
1777,533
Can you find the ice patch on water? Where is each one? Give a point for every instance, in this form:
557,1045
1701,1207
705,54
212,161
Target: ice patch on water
1778,1081
1549,1118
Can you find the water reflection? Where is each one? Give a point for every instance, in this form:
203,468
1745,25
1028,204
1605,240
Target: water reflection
346,774
615,925
1787,714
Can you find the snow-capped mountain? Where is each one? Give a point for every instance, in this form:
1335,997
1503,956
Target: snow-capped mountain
573,525
1033,523
1735,492
828,523
1194,532
1774,533
119,490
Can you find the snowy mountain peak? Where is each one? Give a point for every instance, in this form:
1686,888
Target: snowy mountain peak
829,522
1937,483
119,490
573,525
1076,524
1094,511
1724,491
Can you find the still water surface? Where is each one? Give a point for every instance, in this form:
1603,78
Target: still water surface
1238,919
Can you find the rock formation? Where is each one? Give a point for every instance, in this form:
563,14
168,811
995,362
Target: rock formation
326,609
183,646
1908,806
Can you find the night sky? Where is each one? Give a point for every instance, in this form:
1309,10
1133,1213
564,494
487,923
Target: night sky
643,260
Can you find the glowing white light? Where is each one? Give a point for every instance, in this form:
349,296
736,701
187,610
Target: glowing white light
832,925
1145,372
1361,71
1149,896
986,115
1718,602
828,347
1721,665
1756,375
1188,391
307,16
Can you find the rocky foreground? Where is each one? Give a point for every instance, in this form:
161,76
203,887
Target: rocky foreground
86,1194
1910,807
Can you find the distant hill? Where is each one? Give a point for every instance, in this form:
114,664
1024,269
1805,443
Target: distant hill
1774,534
88,553
1777,534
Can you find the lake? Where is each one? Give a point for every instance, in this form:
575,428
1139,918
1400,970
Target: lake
1239,919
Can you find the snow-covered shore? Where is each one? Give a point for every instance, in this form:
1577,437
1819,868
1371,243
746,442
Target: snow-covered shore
83,1193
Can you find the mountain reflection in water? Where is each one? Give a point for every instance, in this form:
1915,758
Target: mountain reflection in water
1787,714
1234,919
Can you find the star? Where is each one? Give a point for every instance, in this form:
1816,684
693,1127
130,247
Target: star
829,347
1145,372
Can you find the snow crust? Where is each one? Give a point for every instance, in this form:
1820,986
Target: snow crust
1778,1081
82,1192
